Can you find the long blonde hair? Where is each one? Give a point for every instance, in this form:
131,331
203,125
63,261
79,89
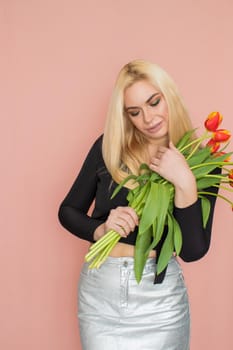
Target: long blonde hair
123,146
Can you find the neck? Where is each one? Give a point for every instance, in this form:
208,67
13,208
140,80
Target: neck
154,144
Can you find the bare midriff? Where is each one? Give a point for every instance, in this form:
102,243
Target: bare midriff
123,250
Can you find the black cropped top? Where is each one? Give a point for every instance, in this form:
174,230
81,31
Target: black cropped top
94,183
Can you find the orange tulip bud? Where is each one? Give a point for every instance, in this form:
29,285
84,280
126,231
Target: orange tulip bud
213,121
214,146
230,175
221,135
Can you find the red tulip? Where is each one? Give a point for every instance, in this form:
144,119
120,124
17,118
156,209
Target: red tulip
213,121
214,146
230,175
221,135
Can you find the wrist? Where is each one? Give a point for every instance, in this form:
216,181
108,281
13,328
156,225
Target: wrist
99,232
186,183
186,193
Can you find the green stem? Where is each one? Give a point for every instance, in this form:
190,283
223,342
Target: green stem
215,176
194,149
217,195
93,263
224,188
107,251
102,241
198,140
210,163
100,244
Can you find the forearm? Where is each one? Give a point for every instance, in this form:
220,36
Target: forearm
78,223
196,238
99,232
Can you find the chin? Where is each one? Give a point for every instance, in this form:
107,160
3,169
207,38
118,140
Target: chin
159,137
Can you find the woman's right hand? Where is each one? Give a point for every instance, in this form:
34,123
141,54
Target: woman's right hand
121,219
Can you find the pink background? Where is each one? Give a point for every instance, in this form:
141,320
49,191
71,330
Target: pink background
59,62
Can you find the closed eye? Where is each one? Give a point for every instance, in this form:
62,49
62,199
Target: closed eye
134,114
156,102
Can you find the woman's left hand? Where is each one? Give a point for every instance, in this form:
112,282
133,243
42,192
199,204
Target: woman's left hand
172,166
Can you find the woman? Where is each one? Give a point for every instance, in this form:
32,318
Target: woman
146,118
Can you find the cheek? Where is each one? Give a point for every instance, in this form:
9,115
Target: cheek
135,122
166,121
165,109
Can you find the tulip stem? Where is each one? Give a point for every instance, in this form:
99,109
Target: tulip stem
216,176
198,140
210,163
224,188
217,195
198,145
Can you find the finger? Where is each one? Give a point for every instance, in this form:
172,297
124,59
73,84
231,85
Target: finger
123,222
154,168
120,229
130,215
155,161
130,222
117,226
162,149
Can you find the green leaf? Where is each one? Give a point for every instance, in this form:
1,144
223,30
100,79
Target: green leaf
205,205
141,254
144,166
203,170
185,139
155,177
200,156
177,236
167,248
221,158
148,213
133,193
164,195
206,182
140,196
119,187
142,179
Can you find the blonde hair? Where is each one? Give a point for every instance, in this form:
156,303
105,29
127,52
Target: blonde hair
124,147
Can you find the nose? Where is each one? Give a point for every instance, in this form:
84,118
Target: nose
147,116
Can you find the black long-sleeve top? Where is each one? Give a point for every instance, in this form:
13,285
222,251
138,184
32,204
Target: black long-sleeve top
94,183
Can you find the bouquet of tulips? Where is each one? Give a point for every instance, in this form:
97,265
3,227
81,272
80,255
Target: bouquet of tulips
202,161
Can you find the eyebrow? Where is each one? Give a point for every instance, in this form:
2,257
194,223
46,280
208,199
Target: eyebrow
147,101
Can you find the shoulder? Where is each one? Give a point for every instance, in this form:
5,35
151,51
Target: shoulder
98,143
95,155
96,148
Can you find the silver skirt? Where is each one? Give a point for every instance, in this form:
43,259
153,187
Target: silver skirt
117,313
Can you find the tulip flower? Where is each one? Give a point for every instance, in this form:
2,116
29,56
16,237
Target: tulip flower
214,146
213,121
221,135
230,175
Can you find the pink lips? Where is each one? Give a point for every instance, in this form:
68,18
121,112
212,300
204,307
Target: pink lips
154,128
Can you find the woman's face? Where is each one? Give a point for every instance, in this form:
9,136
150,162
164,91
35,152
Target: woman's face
147,109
